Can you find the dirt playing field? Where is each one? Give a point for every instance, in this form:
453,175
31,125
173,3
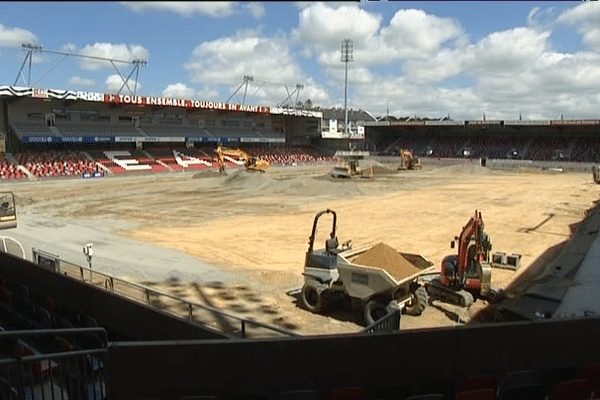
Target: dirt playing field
238,241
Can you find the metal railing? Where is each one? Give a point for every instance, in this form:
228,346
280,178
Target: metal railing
33,366
390,323
176,306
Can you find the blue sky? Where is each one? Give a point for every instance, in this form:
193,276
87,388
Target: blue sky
503,59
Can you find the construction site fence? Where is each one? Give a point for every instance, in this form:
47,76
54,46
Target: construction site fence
29,372
176,306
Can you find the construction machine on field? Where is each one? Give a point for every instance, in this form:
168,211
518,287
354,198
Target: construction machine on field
239,156
467,275
408,161
8,220
352,163
333,274
8,211
596,173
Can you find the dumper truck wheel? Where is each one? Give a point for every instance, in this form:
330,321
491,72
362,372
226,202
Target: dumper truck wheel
418,302
312,299
374,310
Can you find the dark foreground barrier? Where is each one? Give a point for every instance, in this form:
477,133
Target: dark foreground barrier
227,370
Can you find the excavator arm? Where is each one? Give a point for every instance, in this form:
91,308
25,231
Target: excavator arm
251,164
474,228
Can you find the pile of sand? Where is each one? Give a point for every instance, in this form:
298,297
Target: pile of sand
297,186
383,256
242,179
378,168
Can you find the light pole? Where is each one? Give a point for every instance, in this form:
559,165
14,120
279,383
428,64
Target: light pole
87,250
347,50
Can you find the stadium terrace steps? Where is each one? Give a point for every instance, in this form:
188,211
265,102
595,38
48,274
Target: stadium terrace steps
31,129
49,164
182,158
162,130
97,129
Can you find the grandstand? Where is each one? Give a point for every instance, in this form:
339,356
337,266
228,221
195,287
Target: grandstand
36,120
92,133
70,338
552,140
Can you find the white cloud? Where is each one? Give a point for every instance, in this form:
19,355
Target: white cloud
411,34
256,9
178,91
416,34
78,81
507,51
506,73
539,17
184,8
586,18
14,37
445,64
226,61
121,52
587,12
208,93
324,27
69,48
114,83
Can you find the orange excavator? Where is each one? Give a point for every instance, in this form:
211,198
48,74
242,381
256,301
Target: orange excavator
237,155
466,276
408,161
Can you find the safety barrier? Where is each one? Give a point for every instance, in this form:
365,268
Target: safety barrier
28,371
390,323
176,306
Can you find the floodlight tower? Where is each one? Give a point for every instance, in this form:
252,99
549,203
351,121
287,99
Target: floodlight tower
247,79
347,50
30,48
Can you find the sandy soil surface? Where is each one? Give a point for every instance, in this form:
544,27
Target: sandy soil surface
238,241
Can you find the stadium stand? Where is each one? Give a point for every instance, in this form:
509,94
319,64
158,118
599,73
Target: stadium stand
97,129
268,133
23,128
8,170
56,163
175,131
179,158
498,147
233,132
446,147
289,155
546,149
122,161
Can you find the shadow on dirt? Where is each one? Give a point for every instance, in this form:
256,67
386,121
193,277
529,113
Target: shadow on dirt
338,310
452,316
